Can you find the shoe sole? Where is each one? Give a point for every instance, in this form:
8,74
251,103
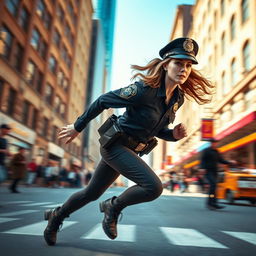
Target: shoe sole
47,214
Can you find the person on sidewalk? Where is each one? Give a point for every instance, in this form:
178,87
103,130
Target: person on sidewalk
151,104
210,158
18,168
32,172
4,130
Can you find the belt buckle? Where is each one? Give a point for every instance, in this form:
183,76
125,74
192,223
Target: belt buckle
140,147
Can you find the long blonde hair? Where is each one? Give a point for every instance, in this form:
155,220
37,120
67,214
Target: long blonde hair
196,86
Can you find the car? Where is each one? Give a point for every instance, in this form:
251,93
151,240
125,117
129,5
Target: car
237,184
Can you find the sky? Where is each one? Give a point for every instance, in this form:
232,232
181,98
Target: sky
142,28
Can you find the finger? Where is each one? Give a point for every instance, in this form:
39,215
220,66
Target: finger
62,136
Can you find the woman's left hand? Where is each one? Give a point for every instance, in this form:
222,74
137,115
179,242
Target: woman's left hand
179,131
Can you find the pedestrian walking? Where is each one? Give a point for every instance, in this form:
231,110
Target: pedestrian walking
210,159
18,168
151,103
32,172
4,130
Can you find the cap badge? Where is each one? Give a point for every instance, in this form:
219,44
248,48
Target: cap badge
188,45
175,107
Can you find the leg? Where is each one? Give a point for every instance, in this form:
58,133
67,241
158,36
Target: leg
103,177
134,168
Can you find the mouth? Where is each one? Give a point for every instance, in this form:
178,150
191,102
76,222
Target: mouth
181,76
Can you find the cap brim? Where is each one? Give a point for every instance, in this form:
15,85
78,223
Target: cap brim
186,57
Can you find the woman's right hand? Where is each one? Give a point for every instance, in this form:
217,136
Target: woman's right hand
69,132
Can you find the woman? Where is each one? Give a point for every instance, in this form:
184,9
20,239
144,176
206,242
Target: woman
151,104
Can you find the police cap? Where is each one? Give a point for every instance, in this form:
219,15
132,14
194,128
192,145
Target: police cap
181,48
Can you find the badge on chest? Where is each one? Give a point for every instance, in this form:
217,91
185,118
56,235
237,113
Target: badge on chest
172,112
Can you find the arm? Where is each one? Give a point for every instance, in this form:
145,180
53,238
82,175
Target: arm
115,99
179,132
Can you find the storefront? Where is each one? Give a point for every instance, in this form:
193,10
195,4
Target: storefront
237,142
20,135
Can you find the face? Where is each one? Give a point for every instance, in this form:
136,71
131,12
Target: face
178,70
5,131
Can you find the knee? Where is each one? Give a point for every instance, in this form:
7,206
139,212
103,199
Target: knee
156,190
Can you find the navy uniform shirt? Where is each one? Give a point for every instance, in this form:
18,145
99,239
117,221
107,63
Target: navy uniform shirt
3,145
146,115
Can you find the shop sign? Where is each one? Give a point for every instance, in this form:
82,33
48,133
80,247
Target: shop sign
18,130
207,129
55,150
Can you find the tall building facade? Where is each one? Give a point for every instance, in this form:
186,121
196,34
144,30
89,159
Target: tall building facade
44,48
226,33
105,11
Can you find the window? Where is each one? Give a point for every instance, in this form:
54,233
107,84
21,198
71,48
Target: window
39,81
48,94
233,72
56,38
245,10
12,6
246,56
222,7
65,84
25,115
223,43
6,42
233,27
18,57
52,64
44,14
31,71
60,13
43,49
63,110
57,103
11,101
40,8
35,39
45,127
34,119
54,133
24,19
224,84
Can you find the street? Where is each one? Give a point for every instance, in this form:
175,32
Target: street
171,225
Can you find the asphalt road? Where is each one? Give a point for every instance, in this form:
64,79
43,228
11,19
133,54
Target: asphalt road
171,225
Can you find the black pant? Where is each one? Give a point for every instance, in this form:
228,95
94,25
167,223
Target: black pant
116,160
14,184
211,176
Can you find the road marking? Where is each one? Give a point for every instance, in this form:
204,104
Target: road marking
189,237
16,202
3,220
248,237
51,205
17,213
126,233
36,229
36,204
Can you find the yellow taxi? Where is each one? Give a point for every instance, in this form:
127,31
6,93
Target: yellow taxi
237,184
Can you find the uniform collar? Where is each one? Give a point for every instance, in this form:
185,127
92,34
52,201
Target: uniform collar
161,91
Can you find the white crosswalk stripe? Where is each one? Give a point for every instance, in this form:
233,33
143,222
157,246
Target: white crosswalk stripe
35,229
51,205
15,213
15,202
37,204
126,233
3,220
189,237
248,237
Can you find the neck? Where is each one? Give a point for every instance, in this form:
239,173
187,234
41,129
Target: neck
169,85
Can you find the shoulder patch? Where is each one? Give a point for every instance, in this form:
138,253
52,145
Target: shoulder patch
129,91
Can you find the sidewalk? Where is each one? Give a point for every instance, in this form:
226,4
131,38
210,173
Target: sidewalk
166,192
